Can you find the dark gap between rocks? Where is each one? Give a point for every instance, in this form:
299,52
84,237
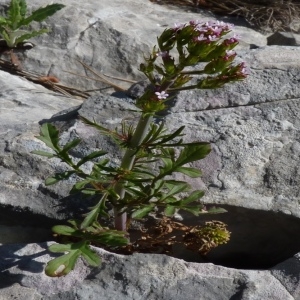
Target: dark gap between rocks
259,239
19,225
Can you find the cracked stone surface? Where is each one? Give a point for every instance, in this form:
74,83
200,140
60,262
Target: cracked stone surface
108,36
252,171
159,277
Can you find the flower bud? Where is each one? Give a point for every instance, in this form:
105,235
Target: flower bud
146,68
221,63
167,40
169,63
184,35
150,102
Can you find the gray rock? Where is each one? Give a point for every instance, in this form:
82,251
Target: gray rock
283,38
159,277
252,170
110,37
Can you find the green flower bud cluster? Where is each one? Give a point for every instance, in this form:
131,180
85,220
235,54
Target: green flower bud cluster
195,42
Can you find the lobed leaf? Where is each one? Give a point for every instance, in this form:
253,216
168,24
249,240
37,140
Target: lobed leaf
23,8
14,14
42,13
62,265
91,257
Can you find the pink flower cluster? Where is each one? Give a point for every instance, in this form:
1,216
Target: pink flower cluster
208,31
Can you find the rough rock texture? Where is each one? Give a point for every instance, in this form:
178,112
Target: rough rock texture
252,170
159,277
109,36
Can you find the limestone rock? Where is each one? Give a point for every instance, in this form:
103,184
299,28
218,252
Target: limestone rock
283,38
252,171
109,36
138,277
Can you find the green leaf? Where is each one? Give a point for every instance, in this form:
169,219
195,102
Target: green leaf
23,8
175,187
170,211
50,136
42,13
193,152
142,212
172,136
91,257
66,230
58,177
195,210
12,37
79,186
43,153
59,248
91,156
216,210
191,172
112,238
2,21
194,196
27,36
5,36
62,265
13,14
93,214
71,145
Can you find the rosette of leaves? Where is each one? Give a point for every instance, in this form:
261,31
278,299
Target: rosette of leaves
12,26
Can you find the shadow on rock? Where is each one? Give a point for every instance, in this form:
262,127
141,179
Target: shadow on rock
16,258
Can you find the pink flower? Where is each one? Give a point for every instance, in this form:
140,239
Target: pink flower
243,69
161,95
230,54
212,38
178,26
163,54
201,37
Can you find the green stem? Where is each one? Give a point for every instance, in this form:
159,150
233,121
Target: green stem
190,87
197,72
127,164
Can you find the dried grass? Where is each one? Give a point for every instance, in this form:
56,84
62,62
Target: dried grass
266,15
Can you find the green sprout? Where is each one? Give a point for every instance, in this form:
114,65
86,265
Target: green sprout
10,26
